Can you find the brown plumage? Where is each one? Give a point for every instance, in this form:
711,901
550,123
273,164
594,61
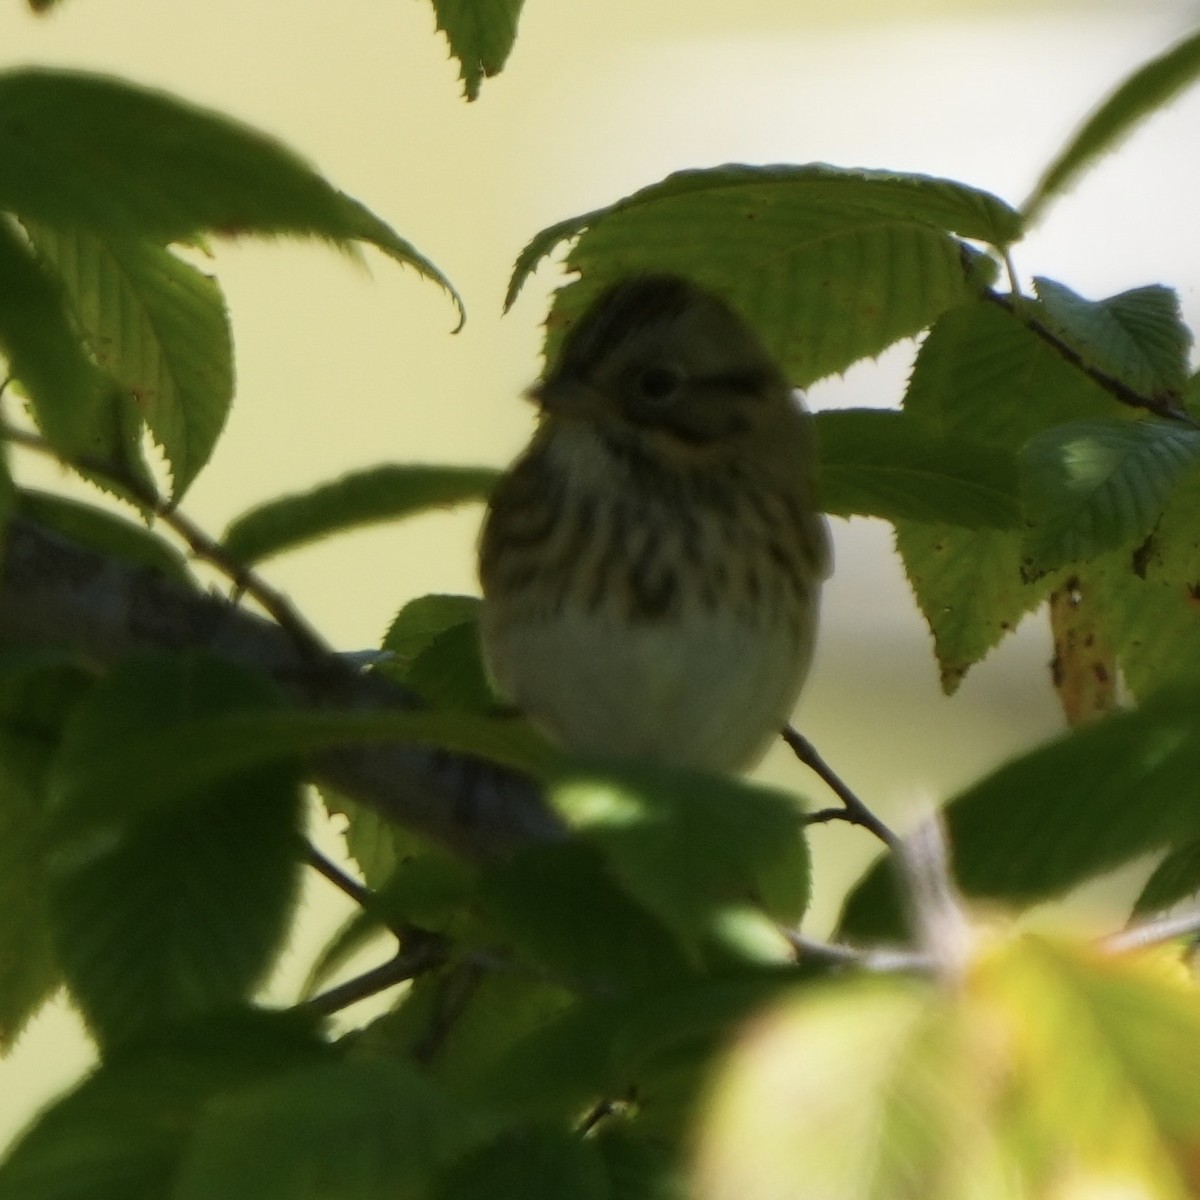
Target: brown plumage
651,564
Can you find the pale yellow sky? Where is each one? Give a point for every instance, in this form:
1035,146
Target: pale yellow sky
340,368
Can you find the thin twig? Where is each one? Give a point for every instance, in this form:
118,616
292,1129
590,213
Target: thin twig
423,954
206,548
878,959
853,809
1153,932
1168,405
331,871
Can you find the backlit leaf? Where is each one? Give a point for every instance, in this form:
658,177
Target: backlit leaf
828,265
1150,87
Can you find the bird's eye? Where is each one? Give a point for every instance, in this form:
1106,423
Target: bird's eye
660,383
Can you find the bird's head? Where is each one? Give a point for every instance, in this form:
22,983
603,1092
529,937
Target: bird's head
661,359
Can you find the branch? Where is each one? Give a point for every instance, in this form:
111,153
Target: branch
853,809
1169,405
424,952
875,959
56,593
329,870
245,581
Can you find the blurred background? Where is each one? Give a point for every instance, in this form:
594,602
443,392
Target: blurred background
341,368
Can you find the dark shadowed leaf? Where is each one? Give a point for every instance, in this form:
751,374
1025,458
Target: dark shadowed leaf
434,649
982,376
43,354
149,770
1091,486
562,908
419,624
1136,337
828,265
355,1130
38,689
539,1163
1149,595
120,1134
878,463
161,913
692,848
103,531
87,152
1176,878
363,497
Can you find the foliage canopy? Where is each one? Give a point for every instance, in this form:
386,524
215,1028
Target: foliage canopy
606,993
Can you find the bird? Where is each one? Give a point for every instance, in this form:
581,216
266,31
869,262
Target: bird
651,564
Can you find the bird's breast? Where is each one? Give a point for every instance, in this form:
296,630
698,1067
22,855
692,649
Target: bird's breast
635,608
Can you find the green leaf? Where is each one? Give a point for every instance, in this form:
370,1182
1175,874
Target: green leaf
103,532
418,624
461,1023
450,673
692,848
435,650
371,841
43,352
160,915
529,1164
879,463
560,1069
384,493
87,152
120,1134
148,770
562,909
1086,803
37,691
158,327
1090,486
640,1166
481,34
828,265
983,376
1150,87
28,967
1136,337
1177,877
1149,598
355,1130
